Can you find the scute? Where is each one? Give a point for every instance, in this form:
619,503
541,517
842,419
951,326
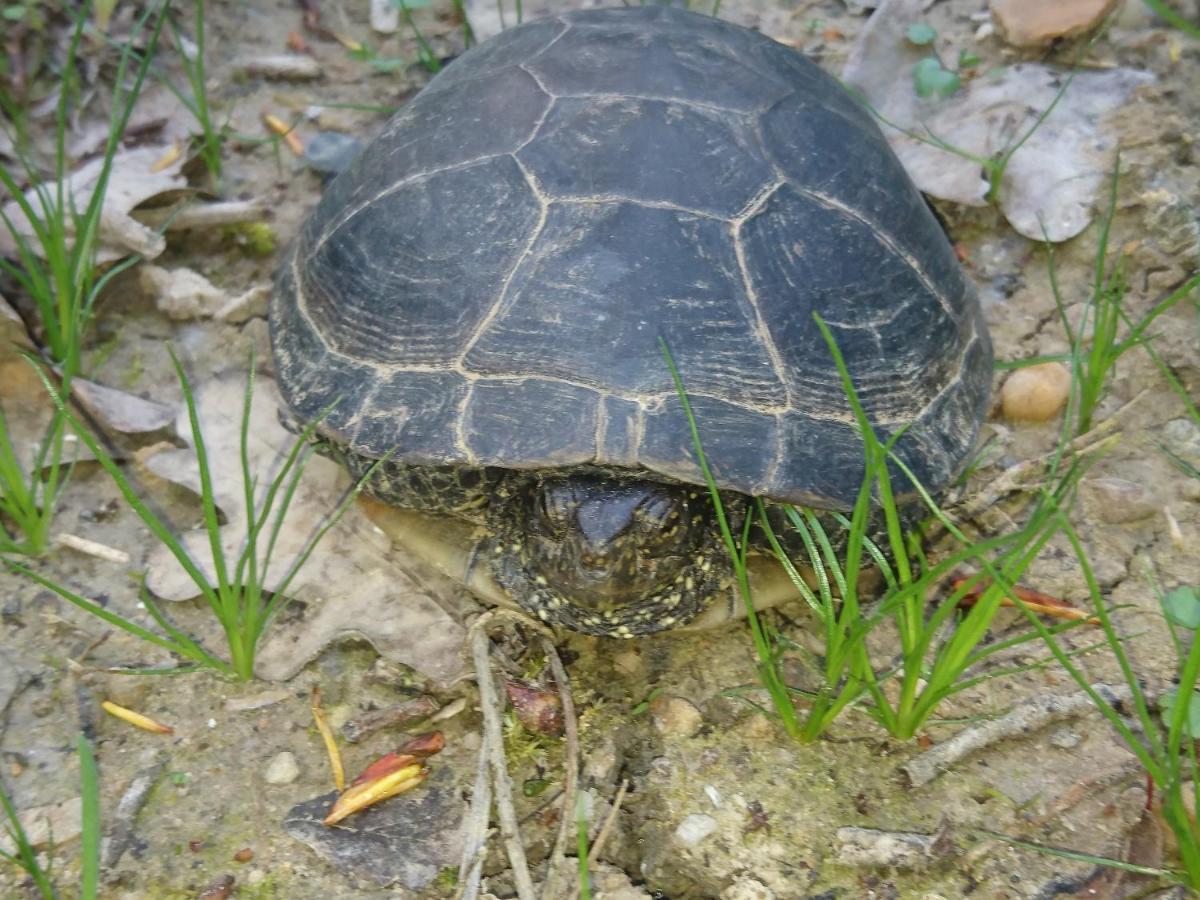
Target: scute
895,335
862,175
413,410
584,146
497,424
406,279
611,55
605,281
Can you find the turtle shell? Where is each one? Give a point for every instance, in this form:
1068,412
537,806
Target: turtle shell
489,282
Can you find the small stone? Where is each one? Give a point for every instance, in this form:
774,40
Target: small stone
1183,436
1118,501
746,888
1036,23
1065,739
182,293
254,701
1036,393
246,306
331,152
601,762
694,829
282,769
611,883
675,717
628,662
660,770
59,823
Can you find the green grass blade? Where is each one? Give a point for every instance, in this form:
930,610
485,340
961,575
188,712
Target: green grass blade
1083,857
90,834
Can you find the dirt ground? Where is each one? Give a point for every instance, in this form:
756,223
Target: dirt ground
719,803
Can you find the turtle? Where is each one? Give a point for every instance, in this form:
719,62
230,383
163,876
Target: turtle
474,312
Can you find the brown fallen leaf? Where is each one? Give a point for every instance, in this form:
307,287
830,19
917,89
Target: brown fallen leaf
1052,183
1035,600
132,181
538,709
368,793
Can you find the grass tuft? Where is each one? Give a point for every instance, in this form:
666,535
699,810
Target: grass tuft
942,649
55,269
25,858
238,598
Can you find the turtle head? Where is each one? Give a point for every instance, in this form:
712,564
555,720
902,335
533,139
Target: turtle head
606,554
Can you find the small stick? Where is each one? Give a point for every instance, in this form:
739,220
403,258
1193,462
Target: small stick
475,827
610,821
331,747
1034,713
550,886
202,215
292,67
284,130
92,548
490,706
1015,477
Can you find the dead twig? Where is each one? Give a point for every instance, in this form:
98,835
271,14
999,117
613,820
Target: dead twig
493,746
1023,718
475,827
1018,477
610,822
550,887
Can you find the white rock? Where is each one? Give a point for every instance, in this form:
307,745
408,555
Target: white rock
282,769
675,716
694,829
182,293
60,822
746,888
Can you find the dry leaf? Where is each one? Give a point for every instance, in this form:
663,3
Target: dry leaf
121,411
1056,176
131,182
354,584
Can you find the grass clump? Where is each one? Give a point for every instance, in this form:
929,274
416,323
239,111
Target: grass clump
941,648
238,599
1163,734
1093,357
55,270
191,59
25,858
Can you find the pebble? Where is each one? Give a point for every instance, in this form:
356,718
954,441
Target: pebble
746,888
628,662
601,762
1183,435
1118,501
331,152
1036,23
58,823
1035,393
675,717
1065,739
282,769
694,829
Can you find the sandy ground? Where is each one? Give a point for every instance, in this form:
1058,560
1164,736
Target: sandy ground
707,758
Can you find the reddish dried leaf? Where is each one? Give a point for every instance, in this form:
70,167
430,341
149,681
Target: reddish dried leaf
538,709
